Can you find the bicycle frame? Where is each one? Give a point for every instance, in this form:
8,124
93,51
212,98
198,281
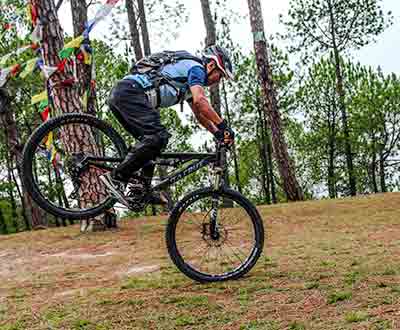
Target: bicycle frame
173,159
176,159
203,159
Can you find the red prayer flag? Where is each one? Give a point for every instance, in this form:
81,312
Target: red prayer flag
15,69
45,114
61,65
34,14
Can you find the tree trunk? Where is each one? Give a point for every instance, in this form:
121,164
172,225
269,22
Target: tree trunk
332,148
264,169
143,26
263,156
342,105
3,225
233,153
23,205
291,186
51,184
346,132
331,169
84,71
373,165
134,30
62,197
37,217
79,16
10,169
382,175
211,39
270,176
67,100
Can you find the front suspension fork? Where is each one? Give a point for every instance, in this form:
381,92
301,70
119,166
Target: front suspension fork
214,229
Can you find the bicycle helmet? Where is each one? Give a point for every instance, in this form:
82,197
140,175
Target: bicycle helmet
221,57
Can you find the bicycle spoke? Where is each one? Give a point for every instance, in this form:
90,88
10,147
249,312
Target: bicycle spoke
235,253
202,259
228,256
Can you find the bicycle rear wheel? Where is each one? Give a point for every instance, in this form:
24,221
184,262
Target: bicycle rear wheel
228,255
55,171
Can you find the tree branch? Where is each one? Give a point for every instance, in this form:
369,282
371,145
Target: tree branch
58,5
342,44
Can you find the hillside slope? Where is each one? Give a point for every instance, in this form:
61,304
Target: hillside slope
326,265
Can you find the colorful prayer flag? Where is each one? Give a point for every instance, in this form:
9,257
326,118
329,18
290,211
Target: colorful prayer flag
70,47
49,141
101,14
39,97
74,43
43,105
56,161
15,69
37,34
87,56
30,66
48,71
32,14
45,114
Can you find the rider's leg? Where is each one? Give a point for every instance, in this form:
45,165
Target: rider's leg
131,107
141,153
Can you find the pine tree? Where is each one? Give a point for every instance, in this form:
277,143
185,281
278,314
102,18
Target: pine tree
285,165
336,26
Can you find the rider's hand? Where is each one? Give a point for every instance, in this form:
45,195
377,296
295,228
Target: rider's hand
225,134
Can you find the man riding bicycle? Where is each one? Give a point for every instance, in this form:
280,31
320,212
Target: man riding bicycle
165,80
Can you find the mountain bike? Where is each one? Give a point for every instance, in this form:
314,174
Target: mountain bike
213,234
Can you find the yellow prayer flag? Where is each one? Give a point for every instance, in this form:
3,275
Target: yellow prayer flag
39,97
28,12
29,67
87,58
74,43
49,141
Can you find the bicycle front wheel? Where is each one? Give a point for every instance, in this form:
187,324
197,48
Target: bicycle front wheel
215,235
55,170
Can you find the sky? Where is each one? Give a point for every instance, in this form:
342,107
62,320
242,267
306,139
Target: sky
384,53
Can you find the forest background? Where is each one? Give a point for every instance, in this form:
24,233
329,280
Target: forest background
339,102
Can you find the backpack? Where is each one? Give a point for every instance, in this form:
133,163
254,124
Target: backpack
154,63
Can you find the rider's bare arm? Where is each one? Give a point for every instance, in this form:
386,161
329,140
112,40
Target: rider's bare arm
203,110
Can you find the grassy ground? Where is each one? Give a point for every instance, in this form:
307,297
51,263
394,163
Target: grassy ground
326,265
